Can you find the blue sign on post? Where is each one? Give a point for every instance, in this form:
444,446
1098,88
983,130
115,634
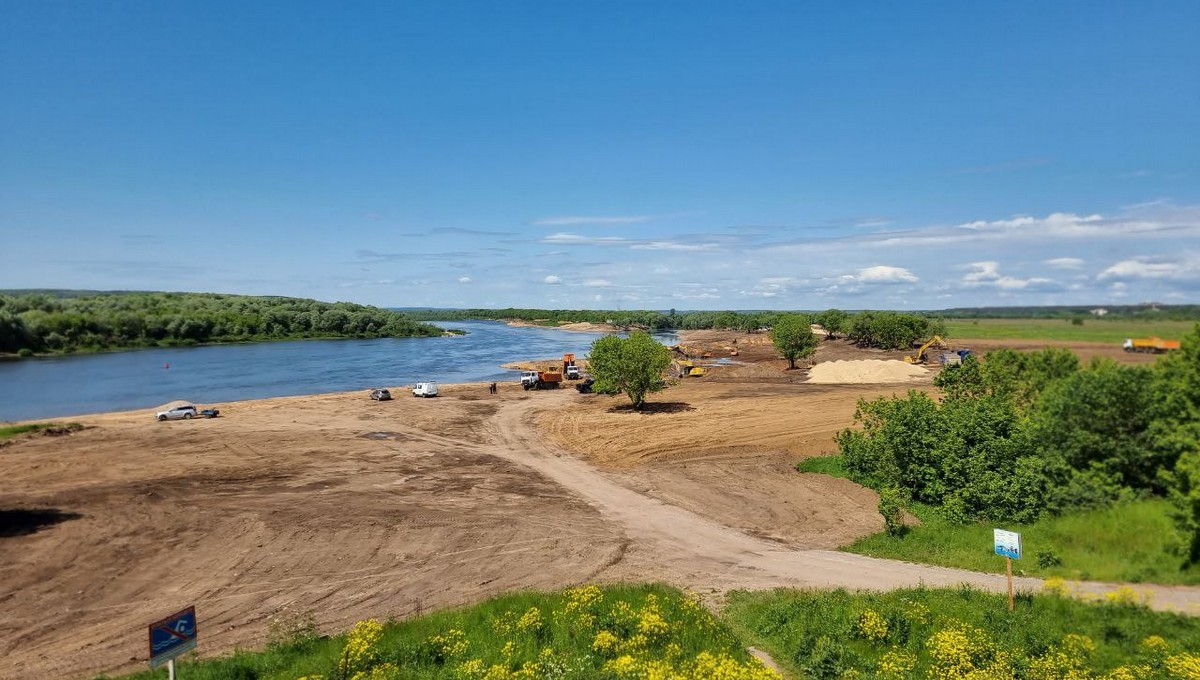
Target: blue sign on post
172,636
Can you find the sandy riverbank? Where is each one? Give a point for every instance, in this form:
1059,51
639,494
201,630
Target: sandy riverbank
341,507
577,327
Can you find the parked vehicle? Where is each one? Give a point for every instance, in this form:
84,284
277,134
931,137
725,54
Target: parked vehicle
541,380
425,389
1153,345
186,412
381,395
585,387
569,368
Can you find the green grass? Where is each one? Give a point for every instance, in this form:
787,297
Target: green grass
1127,542
817,633
1092,330
682,631
825,465
11,431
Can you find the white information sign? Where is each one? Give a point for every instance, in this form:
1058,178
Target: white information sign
1008,543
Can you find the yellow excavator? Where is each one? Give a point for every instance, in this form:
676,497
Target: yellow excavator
920,357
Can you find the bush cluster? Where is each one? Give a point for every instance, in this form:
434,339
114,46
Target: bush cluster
1019,435
42,323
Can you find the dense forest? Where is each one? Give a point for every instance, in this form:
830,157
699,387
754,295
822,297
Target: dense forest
889,330
1018,436
41,322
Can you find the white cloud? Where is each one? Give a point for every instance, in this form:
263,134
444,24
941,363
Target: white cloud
1186,267
884,274
597,283
674,245
987,273
579,240
572,220
1064,262
552,280
464,279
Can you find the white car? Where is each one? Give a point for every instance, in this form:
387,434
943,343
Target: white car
177,413
185,412
425,389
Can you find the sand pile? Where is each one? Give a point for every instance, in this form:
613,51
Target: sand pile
865,371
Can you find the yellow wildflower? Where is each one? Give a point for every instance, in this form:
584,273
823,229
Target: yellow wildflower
471,668
1125,595
530,621
360,651
622,665
916,611
872,626
956,651
452,643
1056,585
505,624
586,598
604,642
896,663
1183,666
652,623
1155,646
1135,672
385,671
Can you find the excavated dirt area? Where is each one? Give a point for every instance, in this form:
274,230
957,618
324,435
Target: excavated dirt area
344,508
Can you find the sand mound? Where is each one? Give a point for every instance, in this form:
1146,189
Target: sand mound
865,371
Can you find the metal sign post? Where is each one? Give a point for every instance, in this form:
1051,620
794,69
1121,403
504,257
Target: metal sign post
1008,544
171,637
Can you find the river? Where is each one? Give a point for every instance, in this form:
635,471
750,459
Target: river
50,387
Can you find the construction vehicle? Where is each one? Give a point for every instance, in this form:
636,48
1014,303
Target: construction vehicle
920,357
686,368
541,380
1152,345
569,368
954,358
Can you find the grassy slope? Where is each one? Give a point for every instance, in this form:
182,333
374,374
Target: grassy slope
11,431
488,626
1127,542
789,625
1092,330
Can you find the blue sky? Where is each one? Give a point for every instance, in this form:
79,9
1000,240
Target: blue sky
696,155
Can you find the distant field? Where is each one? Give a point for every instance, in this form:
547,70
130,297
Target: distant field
1092,330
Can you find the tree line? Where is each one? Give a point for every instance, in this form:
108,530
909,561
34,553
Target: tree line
44,323
1017,436
887,330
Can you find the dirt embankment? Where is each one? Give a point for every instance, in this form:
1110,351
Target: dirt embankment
576,326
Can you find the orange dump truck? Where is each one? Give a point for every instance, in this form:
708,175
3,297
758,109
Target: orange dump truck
1151,345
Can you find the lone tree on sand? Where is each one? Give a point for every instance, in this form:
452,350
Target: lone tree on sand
794,339
632,365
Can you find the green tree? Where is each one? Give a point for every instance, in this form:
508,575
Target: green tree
834,321
633,365
1175,433
793,337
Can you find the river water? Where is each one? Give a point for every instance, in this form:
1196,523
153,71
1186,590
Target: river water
118,381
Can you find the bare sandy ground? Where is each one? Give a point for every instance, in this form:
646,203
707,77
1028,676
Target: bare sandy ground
345,508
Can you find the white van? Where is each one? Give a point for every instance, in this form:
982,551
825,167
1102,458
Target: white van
425,389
